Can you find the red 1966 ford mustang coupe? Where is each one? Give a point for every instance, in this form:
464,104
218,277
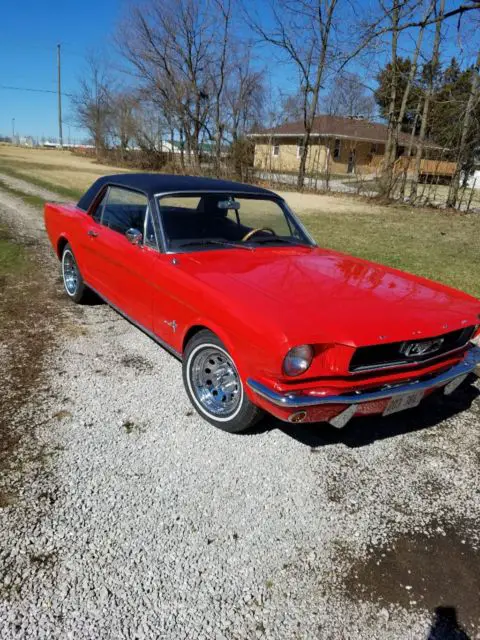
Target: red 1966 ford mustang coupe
226,278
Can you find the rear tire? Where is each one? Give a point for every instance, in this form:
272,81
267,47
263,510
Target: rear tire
214,386
73,283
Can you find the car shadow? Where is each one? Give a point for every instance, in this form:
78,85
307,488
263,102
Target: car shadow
364,430
445,625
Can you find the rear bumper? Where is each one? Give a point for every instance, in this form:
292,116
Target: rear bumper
283,405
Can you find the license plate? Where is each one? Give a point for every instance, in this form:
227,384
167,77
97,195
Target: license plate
405,401
454,384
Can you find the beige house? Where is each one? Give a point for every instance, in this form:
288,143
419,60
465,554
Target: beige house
338,145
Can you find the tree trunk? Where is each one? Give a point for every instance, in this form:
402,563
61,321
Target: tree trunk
409,151
303,157
224,9
182,149
474,88
426,105
309,114
172,148
403,106
390,147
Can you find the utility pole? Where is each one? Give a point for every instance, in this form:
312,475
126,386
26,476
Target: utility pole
60,133
13,130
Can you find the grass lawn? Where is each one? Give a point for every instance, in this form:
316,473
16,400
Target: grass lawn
13,259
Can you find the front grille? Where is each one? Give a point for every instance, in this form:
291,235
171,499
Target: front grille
390,355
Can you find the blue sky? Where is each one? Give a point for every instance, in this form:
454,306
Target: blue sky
31,30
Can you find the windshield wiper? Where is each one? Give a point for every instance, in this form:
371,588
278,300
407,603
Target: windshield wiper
222,243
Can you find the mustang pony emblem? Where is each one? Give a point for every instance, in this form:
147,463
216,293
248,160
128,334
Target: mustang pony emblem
423,348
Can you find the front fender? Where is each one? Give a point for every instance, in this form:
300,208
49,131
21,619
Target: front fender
254,354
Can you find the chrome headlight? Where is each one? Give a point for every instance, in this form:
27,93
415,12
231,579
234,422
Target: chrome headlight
298,360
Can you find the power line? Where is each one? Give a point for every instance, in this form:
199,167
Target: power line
10,88
31,48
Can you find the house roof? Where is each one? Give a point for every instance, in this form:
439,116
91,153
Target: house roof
339,127
153,183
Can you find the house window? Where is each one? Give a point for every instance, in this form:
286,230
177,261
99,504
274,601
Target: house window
336,149
374,148
299,148
275,150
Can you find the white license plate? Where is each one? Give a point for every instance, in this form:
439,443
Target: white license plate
454,384
405,401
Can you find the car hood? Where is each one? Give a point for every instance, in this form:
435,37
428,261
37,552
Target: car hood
318,295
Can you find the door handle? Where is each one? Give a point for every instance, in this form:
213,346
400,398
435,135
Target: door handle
92,233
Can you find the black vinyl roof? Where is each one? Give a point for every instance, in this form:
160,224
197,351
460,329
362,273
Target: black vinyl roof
153,183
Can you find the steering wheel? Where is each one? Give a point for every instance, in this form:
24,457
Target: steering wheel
251,233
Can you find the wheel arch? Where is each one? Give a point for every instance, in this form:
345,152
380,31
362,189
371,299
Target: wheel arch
220,332
61,244
191,332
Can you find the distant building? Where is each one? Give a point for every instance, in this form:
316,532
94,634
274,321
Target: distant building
338,145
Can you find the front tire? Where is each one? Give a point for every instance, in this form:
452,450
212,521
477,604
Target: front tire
214,386
73,283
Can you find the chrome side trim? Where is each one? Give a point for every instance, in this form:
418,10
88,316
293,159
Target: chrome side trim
149,333
294,401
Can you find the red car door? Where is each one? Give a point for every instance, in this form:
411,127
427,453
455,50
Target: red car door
86,247
119,270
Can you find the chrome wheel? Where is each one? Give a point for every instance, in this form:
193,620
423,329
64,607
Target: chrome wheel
70,272
214,382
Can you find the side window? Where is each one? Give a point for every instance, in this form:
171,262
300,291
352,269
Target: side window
97,212
150,238
124,209
336,149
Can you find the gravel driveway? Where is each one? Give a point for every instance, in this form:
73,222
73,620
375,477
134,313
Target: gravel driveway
146,522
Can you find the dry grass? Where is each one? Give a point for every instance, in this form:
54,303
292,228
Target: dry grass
52,168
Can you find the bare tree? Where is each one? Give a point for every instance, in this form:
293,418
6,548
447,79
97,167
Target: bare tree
292,107
302,32
169,44
219,73
92,102
350,97
473,98
123,124
244,94
396,124
431,70
394,14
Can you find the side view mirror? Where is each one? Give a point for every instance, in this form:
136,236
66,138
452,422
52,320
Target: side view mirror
134,236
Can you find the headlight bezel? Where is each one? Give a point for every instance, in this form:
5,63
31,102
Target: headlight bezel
298,360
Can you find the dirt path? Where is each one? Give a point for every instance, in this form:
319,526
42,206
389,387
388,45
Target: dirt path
31,189
137,519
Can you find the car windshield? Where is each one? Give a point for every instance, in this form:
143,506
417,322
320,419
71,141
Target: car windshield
218,220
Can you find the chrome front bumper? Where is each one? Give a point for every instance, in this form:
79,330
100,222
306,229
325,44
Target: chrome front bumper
298,401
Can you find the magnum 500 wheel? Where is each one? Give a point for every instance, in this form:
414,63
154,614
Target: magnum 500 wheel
214,385
73,282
